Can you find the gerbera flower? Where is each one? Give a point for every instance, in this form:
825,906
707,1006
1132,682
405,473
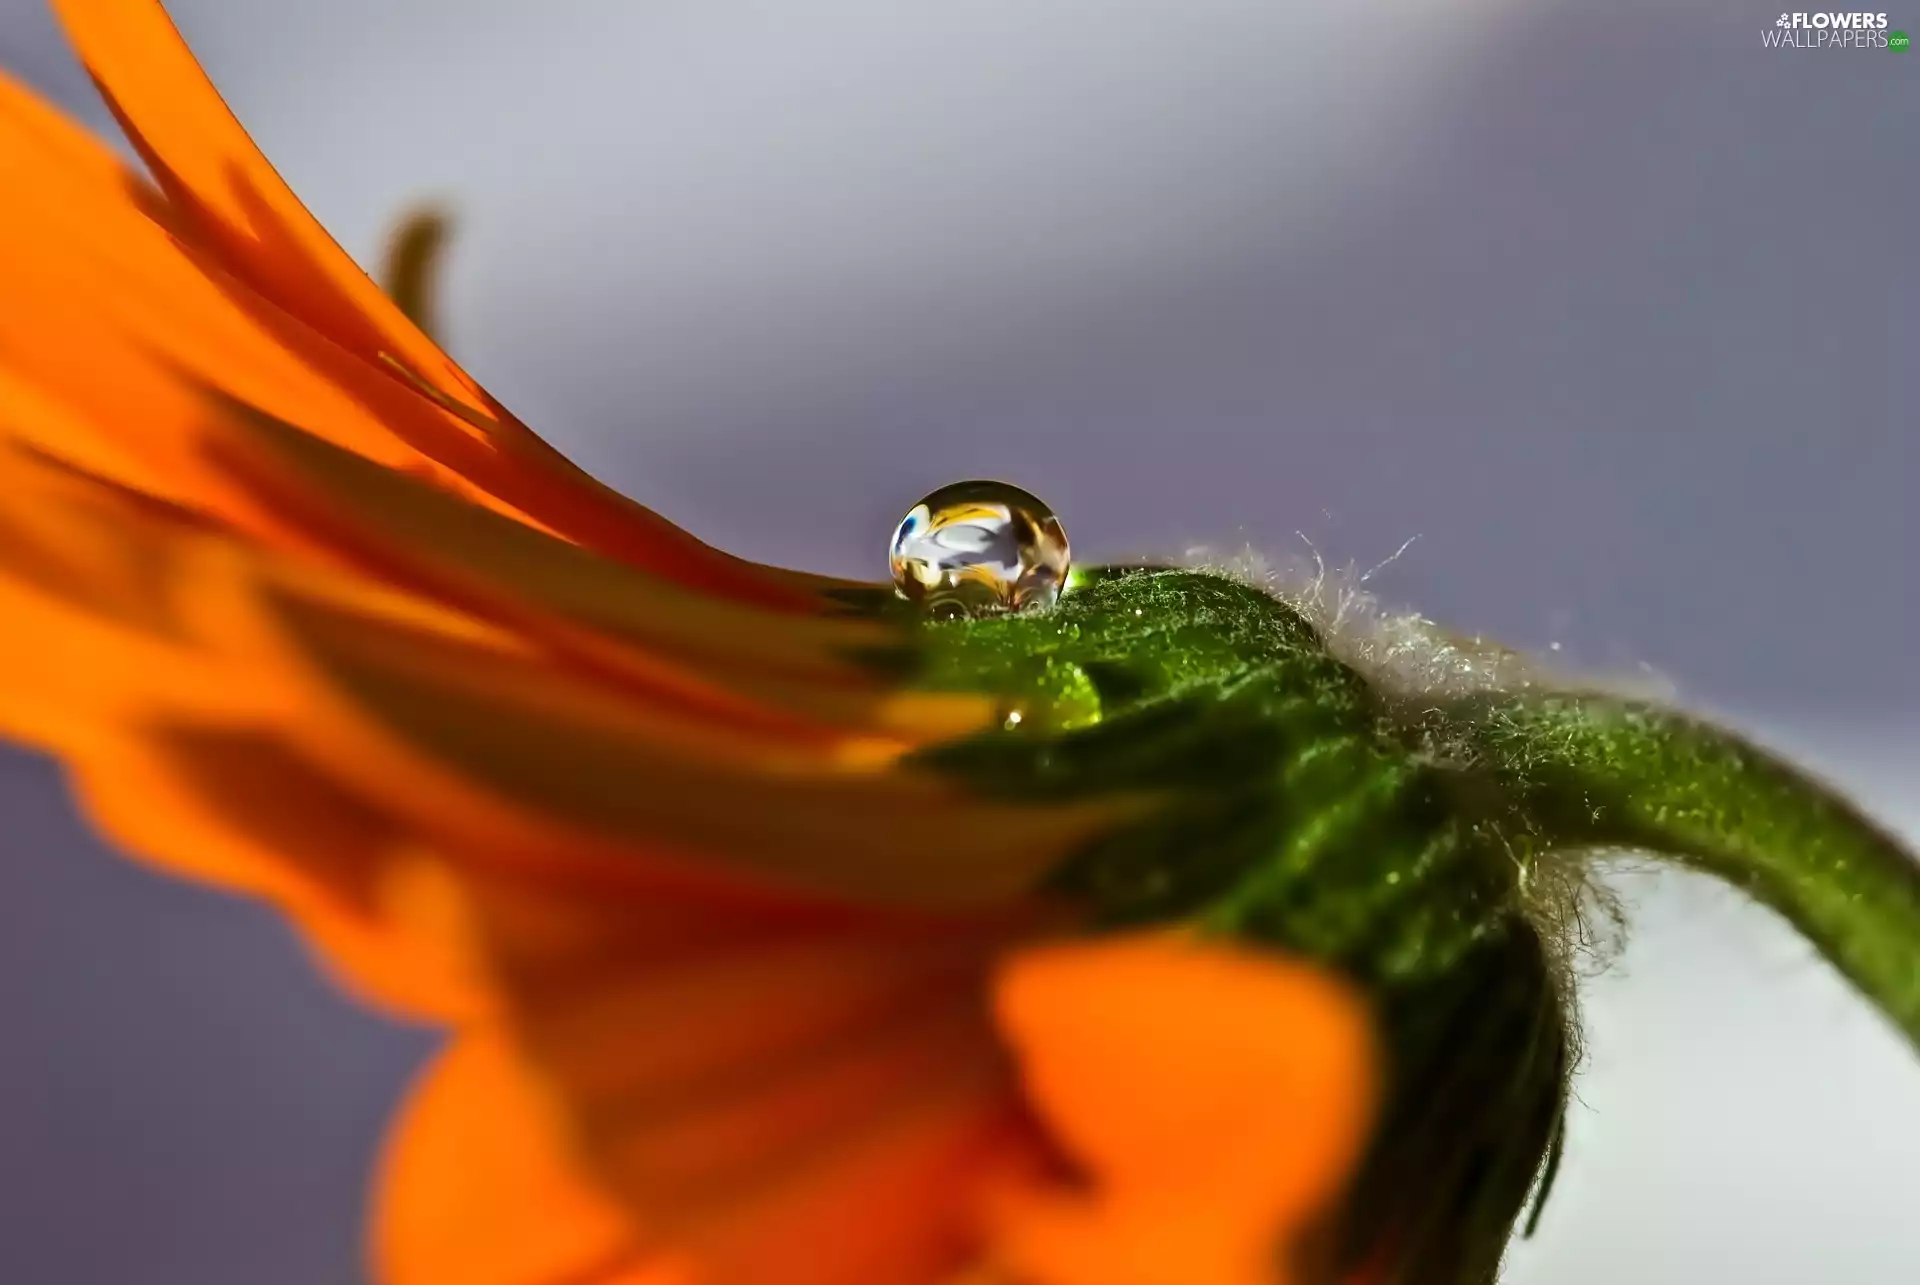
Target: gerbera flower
309,615
785,936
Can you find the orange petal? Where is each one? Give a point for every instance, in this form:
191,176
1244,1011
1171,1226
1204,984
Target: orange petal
164,739
500,751
661,1029
1217,1097
482,1186
233,205
100,280
91,627
892,1202
229,193
97,580
849,1150
646,628
815,1108
236,810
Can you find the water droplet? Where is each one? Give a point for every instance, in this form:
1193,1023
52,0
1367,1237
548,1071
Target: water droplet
978,548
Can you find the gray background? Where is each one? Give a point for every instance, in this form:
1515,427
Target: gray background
1609,306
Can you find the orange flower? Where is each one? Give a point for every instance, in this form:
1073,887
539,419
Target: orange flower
739,996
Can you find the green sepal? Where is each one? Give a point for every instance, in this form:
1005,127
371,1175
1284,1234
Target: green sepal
1292,809
1301,804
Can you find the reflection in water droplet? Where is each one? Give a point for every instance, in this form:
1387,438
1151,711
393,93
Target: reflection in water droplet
978,548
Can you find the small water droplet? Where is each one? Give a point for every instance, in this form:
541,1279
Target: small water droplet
979,548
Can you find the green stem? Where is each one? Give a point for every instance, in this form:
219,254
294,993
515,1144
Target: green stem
1601,772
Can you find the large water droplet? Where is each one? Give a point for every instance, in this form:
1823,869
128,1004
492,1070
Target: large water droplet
978,548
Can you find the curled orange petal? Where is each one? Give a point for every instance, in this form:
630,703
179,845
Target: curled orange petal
482,1186
1216,1098
753,1094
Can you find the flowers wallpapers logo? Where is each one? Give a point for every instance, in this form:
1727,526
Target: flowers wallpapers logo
1122,925
1851,30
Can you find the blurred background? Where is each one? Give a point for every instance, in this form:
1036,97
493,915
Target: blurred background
1607,305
